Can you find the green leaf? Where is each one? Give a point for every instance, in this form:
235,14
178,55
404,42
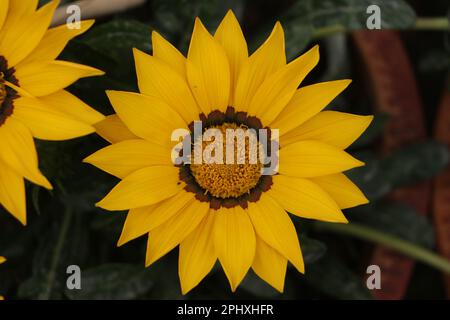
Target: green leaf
312,249
412,164
113,282
335,279
117,38
175,18
307,18
54,254
416,163
398,220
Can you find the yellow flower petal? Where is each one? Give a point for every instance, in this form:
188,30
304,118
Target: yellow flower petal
197,255
208,70
21,35
306,103
18,9
2,260
46,123
269,58
275,227
167,236
305,199
123,158
44,78
142,188
338,129
142,220
17,150
4,6
12,194
158,79
113,130
269,265
65,102
164,50
279,88
147,117
310,158
230,36
55,40
234,242
342,190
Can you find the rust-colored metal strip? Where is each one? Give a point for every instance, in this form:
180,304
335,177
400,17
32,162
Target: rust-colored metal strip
441,194
395,93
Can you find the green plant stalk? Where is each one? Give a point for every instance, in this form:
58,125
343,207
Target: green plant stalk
46,293
405,247
432,24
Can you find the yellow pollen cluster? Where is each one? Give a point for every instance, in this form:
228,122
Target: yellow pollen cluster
228,180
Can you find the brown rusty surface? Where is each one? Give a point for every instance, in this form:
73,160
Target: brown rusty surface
395,93
441,195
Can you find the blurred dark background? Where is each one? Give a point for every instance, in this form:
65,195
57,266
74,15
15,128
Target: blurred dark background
400,74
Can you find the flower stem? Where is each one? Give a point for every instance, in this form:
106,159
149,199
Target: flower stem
405,247
438,24
431,24
51,278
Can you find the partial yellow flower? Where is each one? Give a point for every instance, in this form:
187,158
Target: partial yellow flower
227,212
2,260
33,102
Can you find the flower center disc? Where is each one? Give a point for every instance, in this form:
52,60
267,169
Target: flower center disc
229,180
3,92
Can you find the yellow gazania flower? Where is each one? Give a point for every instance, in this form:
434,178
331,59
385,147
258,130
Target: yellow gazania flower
33,102
2,260
224,211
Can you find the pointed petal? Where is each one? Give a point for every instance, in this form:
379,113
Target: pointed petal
147,117
269,265
269,58
164,50
12,193
338,129
208,70
273,225
234,242
310,158
18,9
306,103
143,188
305,199
55,40
158,79
342,190
197,255
229,35
279,88
142,220
17,150
168,235
44,78
46,123
113,130
21,35
4,6
124,158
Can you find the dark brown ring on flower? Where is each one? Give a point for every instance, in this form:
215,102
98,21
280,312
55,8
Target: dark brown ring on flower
214,119
7,94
